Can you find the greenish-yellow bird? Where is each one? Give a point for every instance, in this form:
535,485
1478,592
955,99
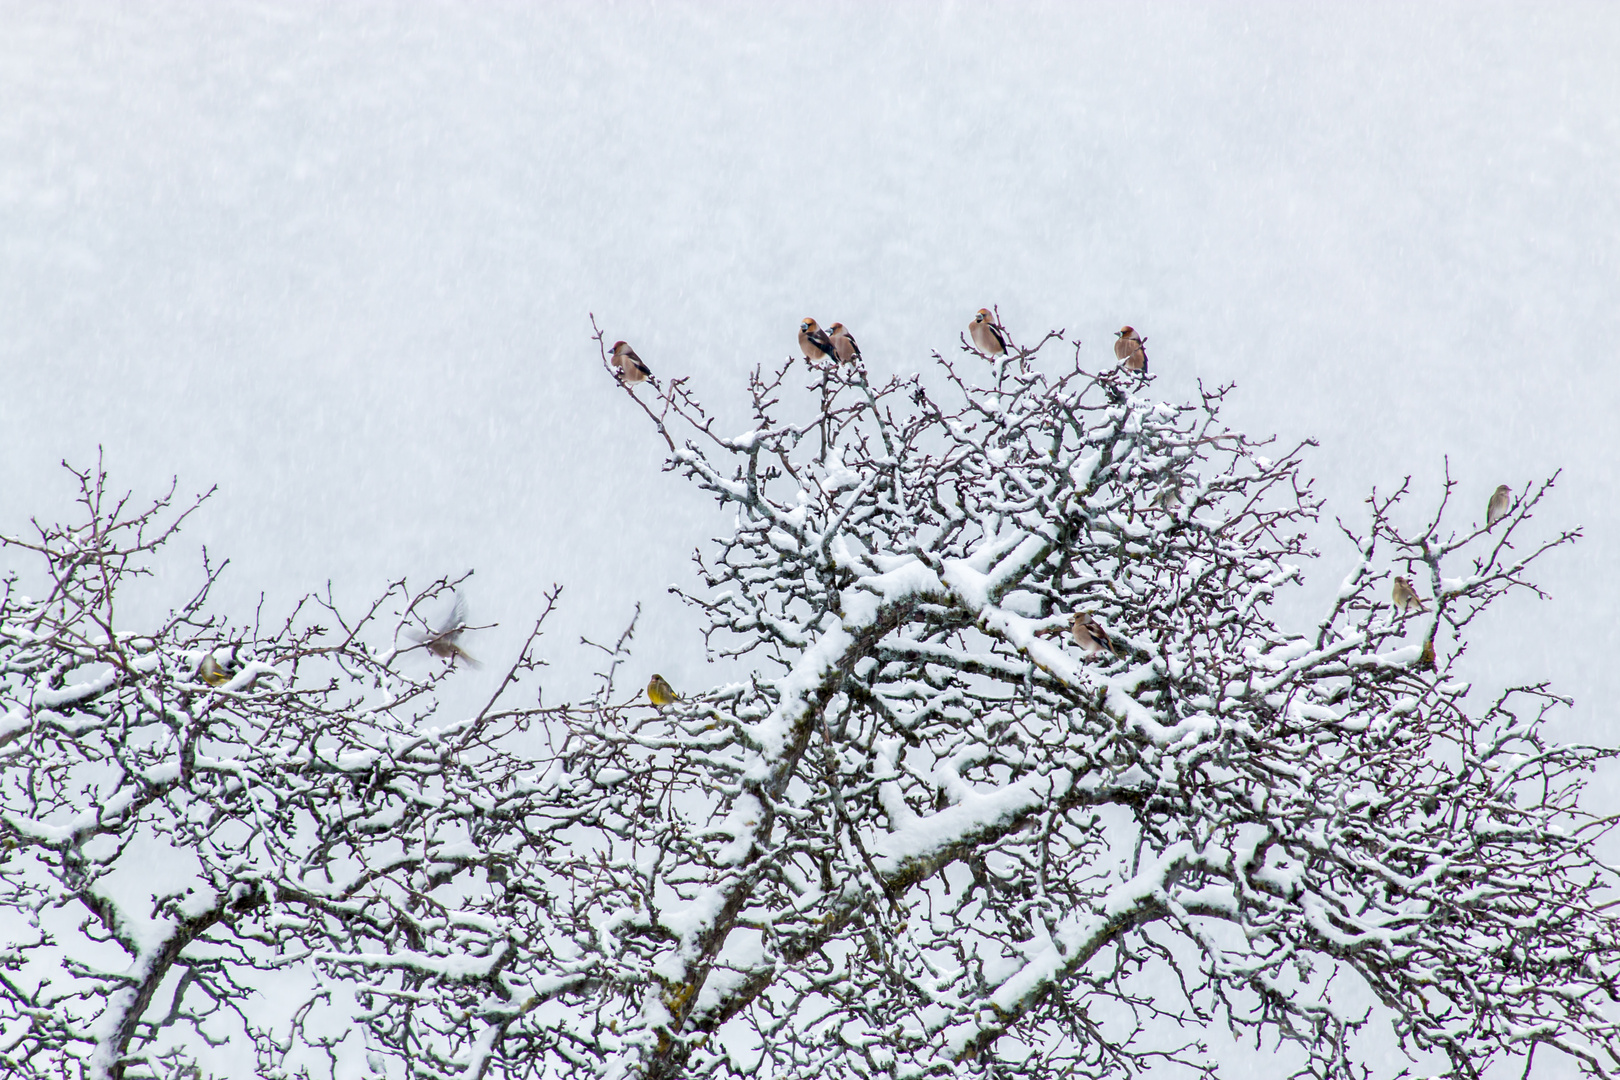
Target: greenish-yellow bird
659,692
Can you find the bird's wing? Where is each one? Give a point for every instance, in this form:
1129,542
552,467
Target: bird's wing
455,620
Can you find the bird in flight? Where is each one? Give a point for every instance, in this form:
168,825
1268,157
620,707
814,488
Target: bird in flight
444,641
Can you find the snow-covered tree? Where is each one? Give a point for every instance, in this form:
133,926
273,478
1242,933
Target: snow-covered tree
224,846
930,833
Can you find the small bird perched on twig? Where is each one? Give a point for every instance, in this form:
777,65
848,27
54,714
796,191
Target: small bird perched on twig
445,641
659,692
631,369
814,342
987,336
1405,597
843,343
1090,635
1129,348
1497,508
1168,496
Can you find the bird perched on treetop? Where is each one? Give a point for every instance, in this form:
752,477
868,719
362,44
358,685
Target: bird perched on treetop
1497,508
814,342
659,692
445,640
631,369
1129,349
843,343
1090,635
1405,597
987,336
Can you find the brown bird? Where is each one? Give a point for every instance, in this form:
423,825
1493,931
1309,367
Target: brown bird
1497,508
631,369
987,336
1129,349
1090,635
814,342
1405,597
445,640
843,343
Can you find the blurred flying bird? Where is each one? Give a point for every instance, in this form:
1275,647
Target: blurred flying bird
631,369
213,672
1090,635
987,336
445,641
1405,597
814,341
659,692
1129,349
843,344
1497,508
217,672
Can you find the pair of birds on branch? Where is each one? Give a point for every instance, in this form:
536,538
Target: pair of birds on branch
834,344
1405,597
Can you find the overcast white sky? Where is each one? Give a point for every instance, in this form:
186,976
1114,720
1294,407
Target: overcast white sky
338,259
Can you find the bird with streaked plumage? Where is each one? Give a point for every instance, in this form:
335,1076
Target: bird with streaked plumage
1404,596
1128,347
629,365
843,343
986,335
1497,508
813,341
